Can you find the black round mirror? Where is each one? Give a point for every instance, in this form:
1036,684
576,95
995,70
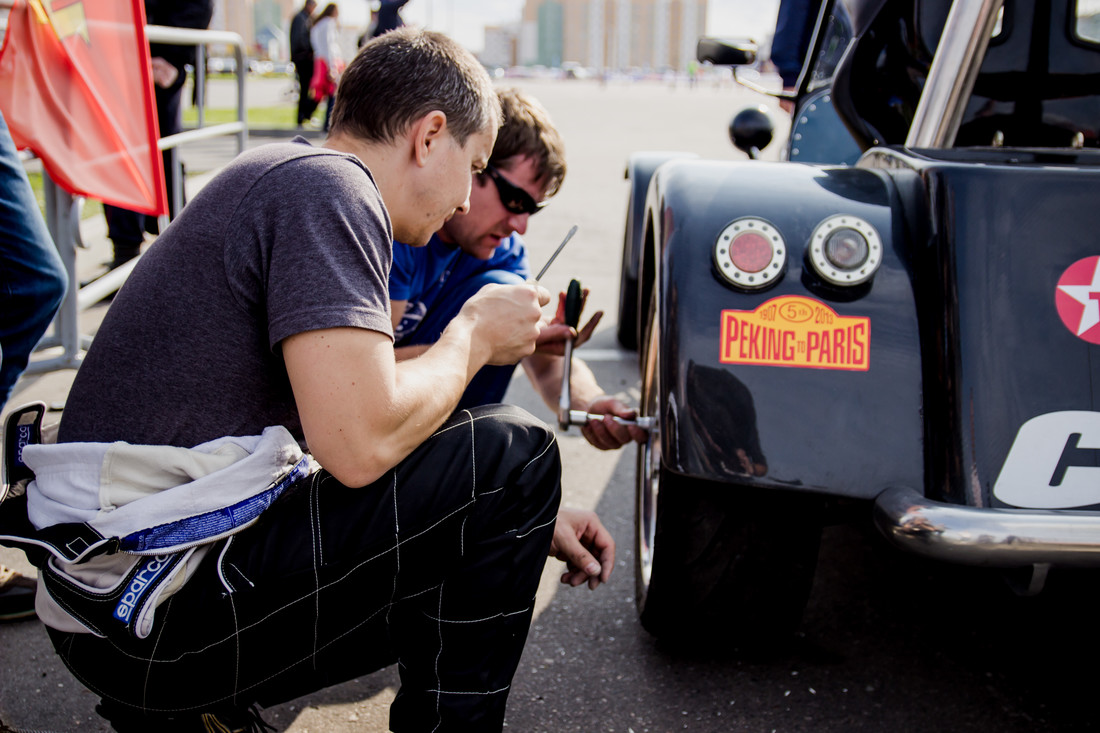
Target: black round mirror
751,130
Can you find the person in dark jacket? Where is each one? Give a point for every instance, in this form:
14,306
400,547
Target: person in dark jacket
794,25
389,17
301,53
126,229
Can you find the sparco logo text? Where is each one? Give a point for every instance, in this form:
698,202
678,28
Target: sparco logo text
139,585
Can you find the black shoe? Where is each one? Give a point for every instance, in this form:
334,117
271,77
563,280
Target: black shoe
131,720
16,595
122,256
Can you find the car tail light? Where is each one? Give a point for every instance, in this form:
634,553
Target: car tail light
750,253
845,250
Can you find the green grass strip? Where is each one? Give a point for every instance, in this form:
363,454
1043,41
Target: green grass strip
266,118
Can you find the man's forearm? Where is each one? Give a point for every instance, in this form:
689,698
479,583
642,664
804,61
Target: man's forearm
429,386
545,373
362,413
586,395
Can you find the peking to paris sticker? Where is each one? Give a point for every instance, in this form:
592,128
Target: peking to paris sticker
1077,299
795,331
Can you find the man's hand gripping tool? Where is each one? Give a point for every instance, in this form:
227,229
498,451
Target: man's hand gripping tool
574,301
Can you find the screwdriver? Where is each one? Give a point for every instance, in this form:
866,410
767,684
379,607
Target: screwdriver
554,256
566,417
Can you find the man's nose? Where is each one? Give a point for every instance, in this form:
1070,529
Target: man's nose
518,222
464,207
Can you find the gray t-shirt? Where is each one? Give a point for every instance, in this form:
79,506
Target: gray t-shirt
288,238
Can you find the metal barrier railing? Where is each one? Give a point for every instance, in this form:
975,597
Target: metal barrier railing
63,210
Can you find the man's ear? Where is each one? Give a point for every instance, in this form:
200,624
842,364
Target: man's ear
427,135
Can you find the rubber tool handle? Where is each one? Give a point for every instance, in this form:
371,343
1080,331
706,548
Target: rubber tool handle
572,318
573,303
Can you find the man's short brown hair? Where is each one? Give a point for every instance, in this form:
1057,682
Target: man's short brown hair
528,131
403,75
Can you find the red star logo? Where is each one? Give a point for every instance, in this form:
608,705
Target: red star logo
1077,299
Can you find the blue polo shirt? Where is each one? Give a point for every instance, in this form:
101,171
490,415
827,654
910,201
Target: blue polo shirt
429,278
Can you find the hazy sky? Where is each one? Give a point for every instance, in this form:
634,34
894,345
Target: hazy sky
464,19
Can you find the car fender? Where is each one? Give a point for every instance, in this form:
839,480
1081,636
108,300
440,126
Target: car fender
633,299
639,172
731,410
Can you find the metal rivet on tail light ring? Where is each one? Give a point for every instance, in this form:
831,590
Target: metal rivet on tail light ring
750,253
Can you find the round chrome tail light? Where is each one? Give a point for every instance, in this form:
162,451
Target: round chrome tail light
845,250
750,253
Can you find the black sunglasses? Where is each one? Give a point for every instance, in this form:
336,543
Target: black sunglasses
514,198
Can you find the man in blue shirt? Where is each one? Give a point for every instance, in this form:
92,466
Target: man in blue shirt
428,285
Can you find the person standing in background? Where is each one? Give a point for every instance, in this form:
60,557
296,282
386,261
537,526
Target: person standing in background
328,63
794,25
301,54
126,229
389,17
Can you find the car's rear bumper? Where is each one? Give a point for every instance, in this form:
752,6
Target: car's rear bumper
1001,538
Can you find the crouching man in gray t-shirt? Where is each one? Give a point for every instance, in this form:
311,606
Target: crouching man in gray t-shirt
422,539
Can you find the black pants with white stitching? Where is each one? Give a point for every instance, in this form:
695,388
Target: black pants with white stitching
434,567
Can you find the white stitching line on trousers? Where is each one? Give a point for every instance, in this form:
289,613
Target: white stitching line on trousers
318,559
149,667
540,455
397,548
544,524
502,614
438,654
461,692
236,650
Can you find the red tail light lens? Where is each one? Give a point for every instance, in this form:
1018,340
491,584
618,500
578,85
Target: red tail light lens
750,253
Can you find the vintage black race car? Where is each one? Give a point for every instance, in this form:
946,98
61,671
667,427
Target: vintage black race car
917,333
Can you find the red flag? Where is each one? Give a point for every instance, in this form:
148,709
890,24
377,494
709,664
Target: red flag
76,88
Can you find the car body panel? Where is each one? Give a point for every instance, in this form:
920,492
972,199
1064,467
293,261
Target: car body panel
1006,232
783,417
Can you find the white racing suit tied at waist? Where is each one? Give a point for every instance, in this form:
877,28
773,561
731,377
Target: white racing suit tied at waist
162,506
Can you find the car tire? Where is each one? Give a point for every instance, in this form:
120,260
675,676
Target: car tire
725,569
634,278
718,565
627,329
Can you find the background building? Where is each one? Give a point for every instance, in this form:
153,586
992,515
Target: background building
260,23
616,34
650,35
501,46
